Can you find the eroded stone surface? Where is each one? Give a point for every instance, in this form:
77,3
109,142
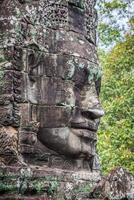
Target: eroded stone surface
51,82
117,185
36,182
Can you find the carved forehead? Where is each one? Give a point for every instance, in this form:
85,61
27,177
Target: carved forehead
65,66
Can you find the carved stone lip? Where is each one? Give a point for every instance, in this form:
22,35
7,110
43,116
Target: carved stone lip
84,133
87,125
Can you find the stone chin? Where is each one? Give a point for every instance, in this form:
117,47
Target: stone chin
68,141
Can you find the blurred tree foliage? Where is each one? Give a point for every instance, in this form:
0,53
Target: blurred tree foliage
114,16
116,133
116,52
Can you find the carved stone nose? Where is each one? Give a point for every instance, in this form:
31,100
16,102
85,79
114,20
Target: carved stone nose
95,113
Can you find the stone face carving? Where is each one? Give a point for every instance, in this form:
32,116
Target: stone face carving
53,81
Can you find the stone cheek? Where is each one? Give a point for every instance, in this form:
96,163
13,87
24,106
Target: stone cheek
50,78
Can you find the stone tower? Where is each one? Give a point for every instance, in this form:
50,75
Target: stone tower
50,83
